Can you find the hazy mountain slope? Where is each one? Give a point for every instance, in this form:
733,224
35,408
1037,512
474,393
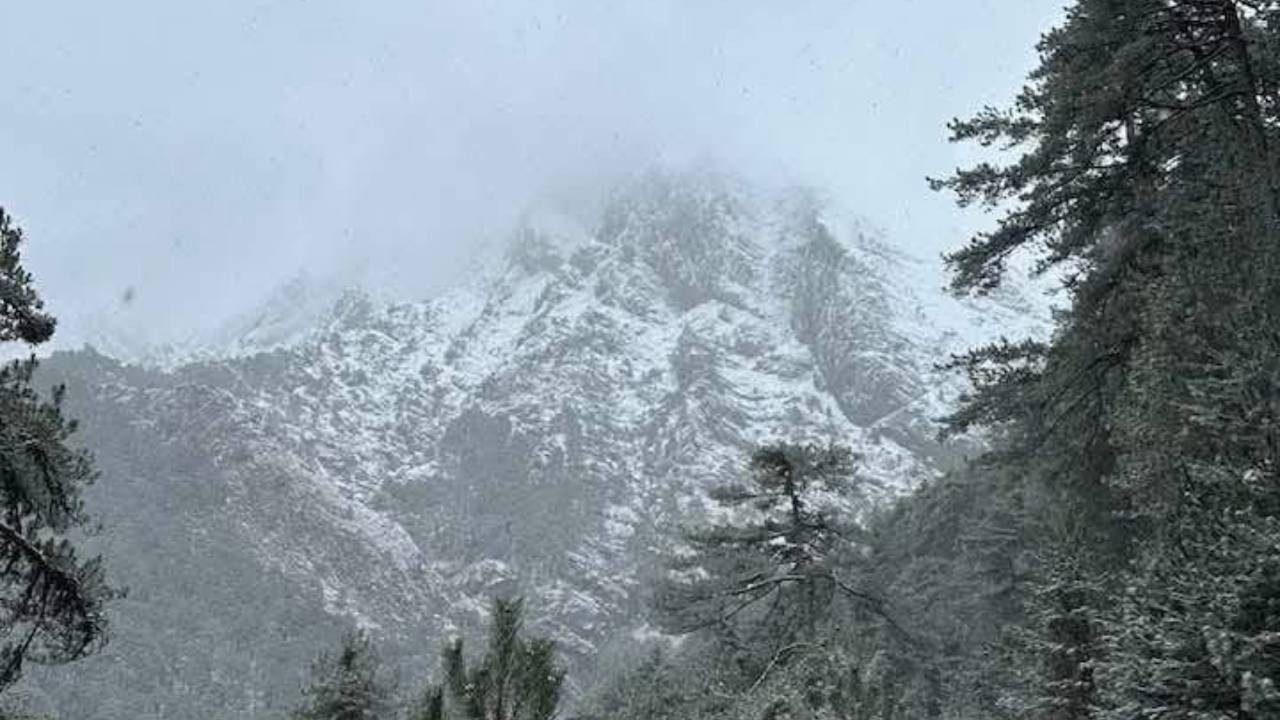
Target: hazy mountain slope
542,430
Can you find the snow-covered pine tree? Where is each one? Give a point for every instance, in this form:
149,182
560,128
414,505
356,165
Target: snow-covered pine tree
518,678
51,599
346,685
1149,179
1197,631
1049,660
761,578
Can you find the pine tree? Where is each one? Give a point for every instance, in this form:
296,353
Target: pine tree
1149,178
762,581
51,599
1195,634
517,679
346,686
1197,628
1049,660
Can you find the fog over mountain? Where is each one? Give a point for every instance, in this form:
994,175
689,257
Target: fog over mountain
541,428
174,164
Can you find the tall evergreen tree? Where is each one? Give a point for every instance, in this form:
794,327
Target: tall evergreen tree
1198,624
51,599
1148,178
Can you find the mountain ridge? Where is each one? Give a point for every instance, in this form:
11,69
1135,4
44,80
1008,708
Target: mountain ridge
542,430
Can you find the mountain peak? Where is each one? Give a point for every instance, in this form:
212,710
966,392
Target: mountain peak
538,428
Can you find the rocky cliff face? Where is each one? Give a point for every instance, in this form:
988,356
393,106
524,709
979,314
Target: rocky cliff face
541,430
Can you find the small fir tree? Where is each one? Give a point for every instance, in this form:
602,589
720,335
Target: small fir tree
517,679
346,686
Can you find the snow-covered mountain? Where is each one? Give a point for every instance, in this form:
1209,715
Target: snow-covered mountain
542,429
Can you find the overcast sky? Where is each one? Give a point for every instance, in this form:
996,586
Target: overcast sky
200,153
